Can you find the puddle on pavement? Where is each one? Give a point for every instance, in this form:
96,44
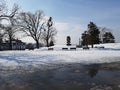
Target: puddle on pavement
64,77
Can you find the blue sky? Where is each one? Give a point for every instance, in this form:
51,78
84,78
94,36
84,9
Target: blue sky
72,16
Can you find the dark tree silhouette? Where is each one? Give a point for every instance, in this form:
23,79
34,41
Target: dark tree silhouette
91,36
32,24
108,38
2,34
49,32
51,43
94,34
68,41
85,38
2,13
3,8
10,29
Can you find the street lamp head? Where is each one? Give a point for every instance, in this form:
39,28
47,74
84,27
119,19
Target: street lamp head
50,23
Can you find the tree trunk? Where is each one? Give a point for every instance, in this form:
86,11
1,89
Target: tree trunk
10,43
37,44
0,47
0,44
92,45
47,43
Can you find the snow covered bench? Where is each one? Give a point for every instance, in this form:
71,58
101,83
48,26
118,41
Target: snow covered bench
64,48
72,48
99,47
85,47
50,48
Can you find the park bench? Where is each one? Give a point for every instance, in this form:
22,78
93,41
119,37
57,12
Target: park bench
72,48
50,48
64,48
85,47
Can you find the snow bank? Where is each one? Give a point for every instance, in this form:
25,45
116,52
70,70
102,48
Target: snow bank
112,46
56,48
42,56
36,58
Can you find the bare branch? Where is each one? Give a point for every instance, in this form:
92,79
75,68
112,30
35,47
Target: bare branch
49,32
32,24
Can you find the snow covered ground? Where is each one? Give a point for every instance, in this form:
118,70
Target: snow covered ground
13,59
111,46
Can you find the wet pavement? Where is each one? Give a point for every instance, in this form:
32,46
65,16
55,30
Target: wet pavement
68,76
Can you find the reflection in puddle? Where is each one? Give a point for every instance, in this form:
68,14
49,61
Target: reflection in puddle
65,77
93,70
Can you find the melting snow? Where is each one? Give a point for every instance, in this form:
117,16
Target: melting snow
45,57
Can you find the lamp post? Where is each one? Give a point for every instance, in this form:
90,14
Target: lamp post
49,24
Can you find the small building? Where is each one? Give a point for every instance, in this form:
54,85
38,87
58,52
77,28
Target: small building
30,46
16,45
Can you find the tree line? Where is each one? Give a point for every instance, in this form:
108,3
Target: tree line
41,28
96,35
36,25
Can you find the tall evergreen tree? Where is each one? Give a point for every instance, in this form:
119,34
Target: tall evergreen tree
85,38
94,34
68,40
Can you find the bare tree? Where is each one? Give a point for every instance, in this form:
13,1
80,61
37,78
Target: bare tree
2,13
49,32
11,28
32,24
3,7
102,32
2,10
2,33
